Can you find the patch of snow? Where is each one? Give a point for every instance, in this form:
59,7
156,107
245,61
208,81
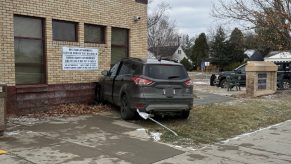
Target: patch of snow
269,97
155,136
200,83
12,133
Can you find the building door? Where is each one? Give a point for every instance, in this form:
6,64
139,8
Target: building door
29,51
119,44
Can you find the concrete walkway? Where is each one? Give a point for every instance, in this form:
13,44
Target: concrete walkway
271,145
107,139
84,139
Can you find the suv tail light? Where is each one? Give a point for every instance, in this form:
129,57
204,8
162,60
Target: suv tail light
188,83
141,81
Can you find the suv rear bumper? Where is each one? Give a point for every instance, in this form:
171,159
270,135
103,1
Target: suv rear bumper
163,105
167,108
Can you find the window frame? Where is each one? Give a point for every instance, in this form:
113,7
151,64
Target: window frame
44,55
103,32
76,25
126,46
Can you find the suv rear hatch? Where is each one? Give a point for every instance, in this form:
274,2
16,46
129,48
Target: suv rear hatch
168,82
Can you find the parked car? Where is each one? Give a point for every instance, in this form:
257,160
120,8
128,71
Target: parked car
283,76
152,86
220,79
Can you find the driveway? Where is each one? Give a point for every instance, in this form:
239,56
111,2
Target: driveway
83,139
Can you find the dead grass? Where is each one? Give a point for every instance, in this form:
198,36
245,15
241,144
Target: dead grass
68,110
212,123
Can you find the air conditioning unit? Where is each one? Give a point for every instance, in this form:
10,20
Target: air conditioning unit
2,108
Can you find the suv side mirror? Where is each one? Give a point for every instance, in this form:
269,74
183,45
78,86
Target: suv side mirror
105,73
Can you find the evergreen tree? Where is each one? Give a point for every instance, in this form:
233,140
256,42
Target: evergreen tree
237,45
220,49
200,49
251,41
186,64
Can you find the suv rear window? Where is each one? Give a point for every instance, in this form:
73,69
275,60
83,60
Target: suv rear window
165,72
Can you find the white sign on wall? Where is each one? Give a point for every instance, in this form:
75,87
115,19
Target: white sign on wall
80,58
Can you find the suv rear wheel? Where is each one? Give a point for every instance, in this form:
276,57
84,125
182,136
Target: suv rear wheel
185,114
125,111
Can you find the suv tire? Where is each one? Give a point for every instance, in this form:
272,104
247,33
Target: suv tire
285,84
212,78
125,111
223,83
185,114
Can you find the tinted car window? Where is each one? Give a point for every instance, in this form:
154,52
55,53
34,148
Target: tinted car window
165,72
280,67
125,69
137,69
287,67
114,69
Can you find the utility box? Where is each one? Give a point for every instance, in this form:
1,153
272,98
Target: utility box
2,108
261,78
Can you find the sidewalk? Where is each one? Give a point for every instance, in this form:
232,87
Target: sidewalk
83,139
270,145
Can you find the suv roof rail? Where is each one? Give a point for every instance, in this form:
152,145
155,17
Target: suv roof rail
133,58
167,59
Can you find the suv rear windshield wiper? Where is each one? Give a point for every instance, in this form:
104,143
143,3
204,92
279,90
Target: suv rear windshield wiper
173,77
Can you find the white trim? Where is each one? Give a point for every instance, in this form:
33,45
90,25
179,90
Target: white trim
279,57
277,60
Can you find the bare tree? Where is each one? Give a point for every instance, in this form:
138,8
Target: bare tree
271,19
157,14
161,30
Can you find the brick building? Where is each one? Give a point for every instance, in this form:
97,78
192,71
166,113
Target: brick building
36,37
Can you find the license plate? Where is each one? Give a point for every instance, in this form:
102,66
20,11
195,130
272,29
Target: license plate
169,92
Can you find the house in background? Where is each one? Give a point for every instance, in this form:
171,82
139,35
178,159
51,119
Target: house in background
170,52
279,56
253,55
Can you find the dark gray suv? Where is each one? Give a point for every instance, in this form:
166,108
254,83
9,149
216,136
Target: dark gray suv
152,86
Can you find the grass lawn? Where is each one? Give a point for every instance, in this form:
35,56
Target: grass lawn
211,123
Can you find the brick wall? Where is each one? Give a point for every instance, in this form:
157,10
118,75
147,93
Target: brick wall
113,13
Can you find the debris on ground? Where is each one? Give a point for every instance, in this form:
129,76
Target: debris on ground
71,110
156,136
2,152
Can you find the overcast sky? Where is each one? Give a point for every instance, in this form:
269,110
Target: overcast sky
192,17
